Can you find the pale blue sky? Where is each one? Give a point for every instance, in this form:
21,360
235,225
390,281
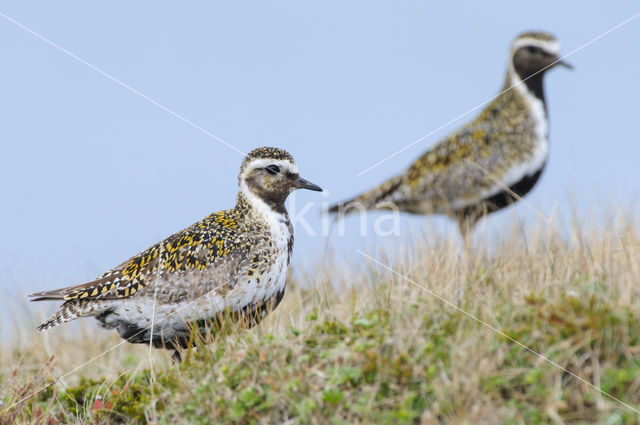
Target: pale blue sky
92,173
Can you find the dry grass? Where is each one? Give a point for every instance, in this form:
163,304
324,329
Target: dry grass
365,345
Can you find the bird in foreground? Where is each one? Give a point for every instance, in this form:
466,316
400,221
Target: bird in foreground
230,265
490,162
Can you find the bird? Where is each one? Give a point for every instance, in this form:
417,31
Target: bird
490,162
231,265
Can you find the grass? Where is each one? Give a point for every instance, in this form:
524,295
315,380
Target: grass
365,345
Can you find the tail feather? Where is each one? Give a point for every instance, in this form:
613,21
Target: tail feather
44,298
69,311
368,200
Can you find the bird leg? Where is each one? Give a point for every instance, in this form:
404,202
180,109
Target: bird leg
176,356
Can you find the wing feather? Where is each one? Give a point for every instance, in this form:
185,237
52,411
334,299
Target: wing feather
197,247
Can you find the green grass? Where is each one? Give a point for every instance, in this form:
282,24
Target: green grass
368,346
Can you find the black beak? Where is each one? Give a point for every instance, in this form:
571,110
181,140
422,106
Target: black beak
304,184
563,63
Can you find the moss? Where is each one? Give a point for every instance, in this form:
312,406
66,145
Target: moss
397,357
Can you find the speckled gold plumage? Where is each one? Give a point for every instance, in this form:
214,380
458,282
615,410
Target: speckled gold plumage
470,172
225,233
193,248
474,157
233,260
267,153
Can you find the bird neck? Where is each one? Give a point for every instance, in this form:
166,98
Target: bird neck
526,96
265,207
526,84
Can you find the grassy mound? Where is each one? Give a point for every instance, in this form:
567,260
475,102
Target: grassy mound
369,345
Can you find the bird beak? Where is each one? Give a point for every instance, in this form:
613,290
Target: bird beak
563,63
304,184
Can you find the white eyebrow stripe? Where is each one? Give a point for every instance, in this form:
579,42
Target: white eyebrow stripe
552,46
284,164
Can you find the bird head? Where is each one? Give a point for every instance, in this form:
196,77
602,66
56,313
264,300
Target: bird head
271,174
535,52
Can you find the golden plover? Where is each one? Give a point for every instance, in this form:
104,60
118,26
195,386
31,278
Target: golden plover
490,162
233,262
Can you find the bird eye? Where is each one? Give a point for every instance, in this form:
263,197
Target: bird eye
534,49
272,169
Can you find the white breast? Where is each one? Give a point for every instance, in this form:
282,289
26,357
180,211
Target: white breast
274,277
278,223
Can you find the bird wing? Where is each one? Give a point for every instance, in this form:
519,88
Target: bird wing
445,172
466,167
213,242
120,282
448,165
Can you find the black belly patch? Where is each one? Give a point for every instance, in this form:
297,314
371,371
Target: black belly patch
503,198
